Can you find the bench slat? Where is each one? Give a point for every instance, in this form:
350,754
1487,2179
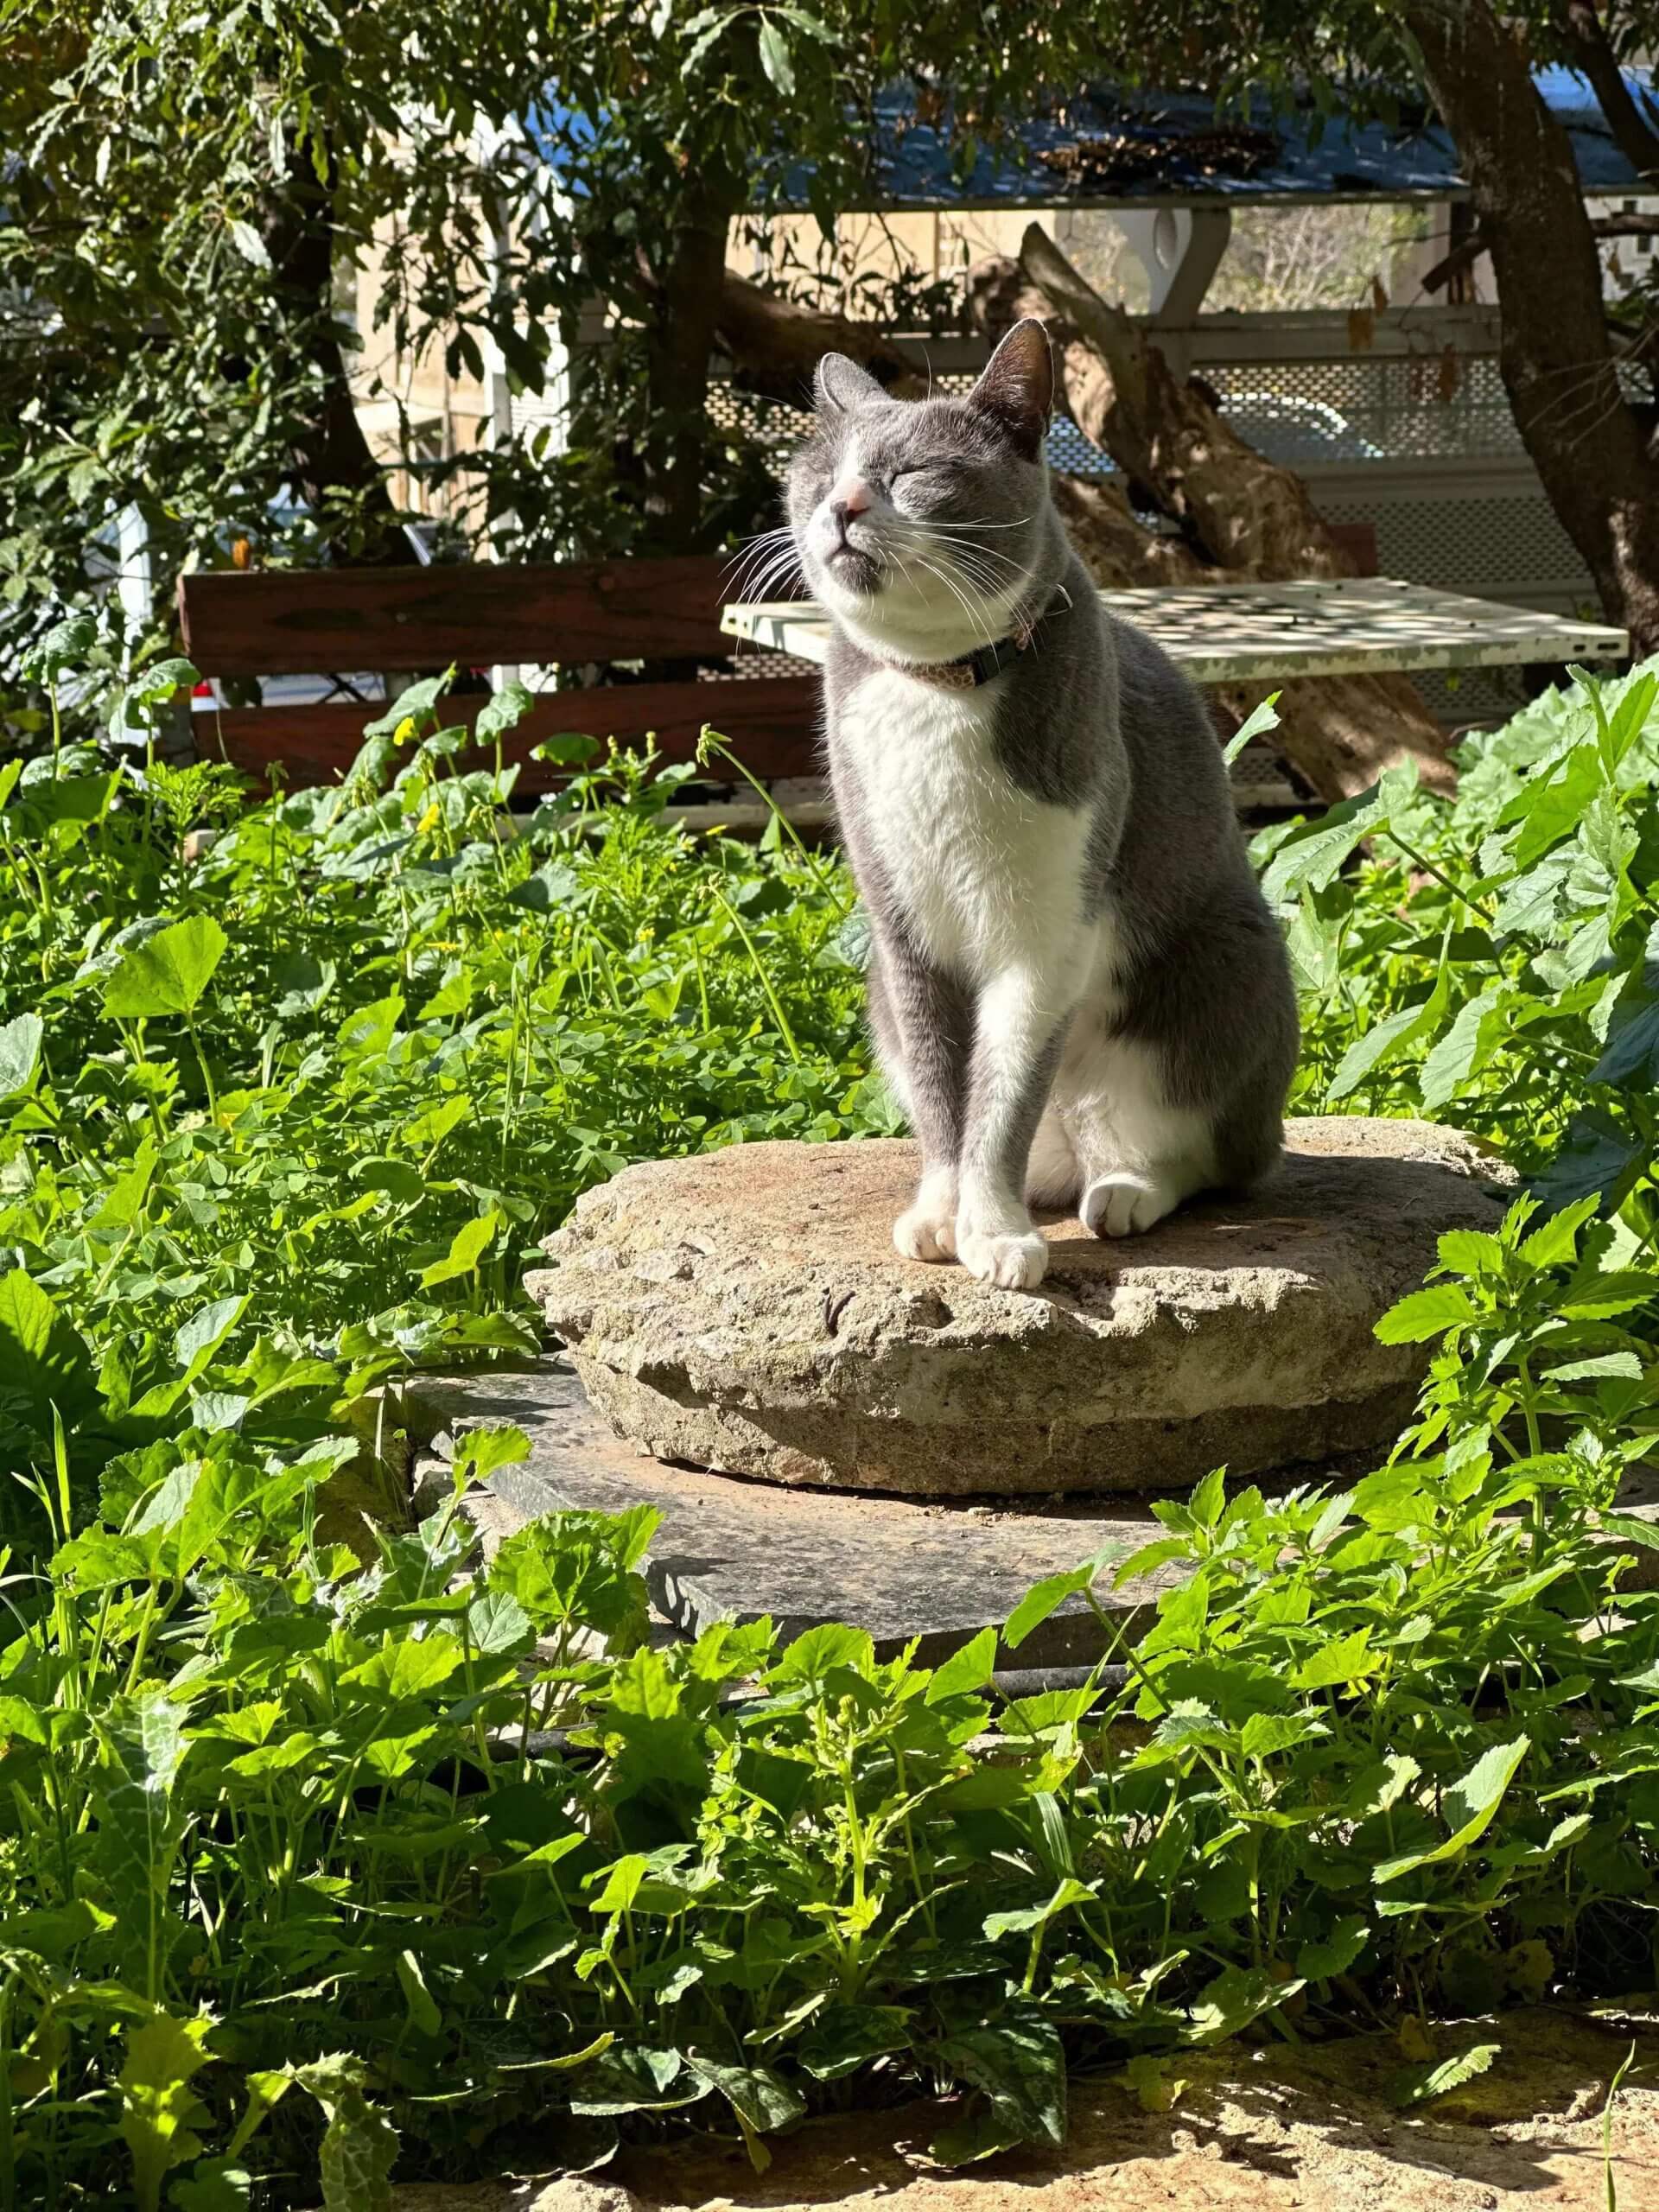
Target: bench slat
477,614
771,721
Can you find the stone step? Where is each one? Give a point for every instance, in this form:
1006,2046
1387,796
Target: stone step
932,1570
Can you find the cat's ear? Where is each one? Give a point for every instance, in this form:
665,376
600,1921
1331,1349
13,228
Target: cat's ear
1018,386
840,385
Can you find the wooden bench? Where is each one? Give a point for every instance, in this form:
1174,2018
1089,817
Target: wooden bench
419,621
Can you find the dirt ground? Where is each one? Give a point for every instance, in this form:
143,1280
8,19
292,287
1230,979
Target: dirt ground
1252,2131
1271,2128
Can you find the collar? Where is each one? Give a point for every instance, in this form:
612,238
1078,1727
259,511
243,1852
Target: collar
968,671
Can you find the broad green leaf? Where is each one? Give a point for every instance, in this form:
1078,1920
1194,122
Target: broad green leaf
1016,2061
20,1053
143,1746
1261,719
467,1248
1334,1953
1470,1252
763,2100
1047,1596
775,57
65,645
360,2144
1551,803
1207,1500
1348,1659
1624,1363
160,2111
1557,1240
43,1363
481,1451
1386,1040
1265,1734
1425,1313
1315,851
496,1622
1598,1298
821,1651
196,1341
1232,2001
1021,1921
167,973
415,705
847,2037
503,712
1469,1806
1418,2085
966,1670
1464,1049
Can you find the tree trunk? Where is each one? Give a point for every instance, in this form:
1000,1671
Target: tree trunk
1557,359
1239,513
688,277
775,344
333,465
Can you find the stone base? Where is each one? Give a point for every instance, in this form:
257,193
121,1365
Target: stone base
745,1311
729,1550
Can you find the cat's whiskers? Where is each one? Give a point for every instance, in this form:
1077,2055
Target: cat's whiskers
977,608
965,571
769,559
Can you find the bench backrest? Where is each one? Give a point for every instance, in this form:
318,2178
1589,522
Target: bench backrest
416,620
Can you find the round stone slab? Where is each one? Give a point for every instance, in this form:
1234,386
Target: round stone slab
744,1311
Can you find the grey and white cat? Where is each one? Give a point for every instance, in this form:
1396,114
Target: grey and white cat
1076,992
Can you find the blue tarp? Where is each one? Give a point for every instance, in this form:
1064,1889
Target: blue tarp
1157,152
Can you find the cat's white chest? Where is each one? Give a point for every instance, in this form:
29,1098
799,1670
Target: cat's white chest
986,875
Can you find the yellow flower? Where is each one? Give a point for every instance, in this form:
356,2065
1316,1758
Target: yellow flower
429,820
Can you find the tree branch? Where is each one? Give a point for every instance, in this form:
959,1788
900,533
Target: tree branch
1602,226
776,344
1633,134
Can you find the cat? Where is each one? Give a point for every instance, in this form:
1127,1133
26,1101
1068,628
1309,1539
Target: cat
1077,993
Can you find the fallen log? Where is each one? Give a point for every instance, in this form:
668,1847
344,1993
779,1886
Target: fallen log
1241,517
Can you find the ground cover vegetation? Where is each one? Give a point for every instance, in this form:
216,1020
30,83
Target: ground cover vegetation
328,1848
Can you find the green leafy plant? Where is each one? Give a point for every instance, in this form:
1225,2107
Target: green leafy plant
306,1794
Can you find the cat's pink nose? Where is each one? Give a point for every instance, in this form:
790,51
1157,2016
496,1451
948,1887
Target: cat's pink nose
849,498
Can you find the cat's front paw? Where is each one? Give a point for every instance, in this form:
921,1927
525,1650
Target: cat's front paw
1017,1262
921,1232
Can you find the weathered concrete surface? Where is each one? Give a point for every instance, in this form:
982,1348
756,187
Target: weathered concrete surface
928,1570
744,1311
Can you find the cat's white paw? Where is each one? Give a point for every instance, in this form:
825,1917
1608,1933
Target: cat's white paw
1124,1202
922,1233
1011,1262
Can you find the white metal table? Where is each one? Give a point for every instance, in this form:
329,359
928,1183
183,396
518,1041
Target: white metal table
1228,634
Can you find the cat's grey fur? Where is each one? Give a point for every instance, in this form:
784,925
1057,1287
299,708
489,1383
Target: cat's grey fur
1076,989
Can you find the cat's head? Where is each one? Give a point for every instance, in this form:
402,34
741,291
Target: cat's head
921,524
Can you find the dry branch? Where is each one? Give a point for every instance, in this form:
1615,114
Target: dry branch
1238,513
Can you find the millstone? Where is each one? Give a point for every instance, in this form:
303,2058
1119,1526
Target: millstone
744,1311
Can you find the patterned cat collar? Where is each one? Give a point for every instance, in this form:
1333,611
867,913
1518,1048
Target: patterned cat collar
968,671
